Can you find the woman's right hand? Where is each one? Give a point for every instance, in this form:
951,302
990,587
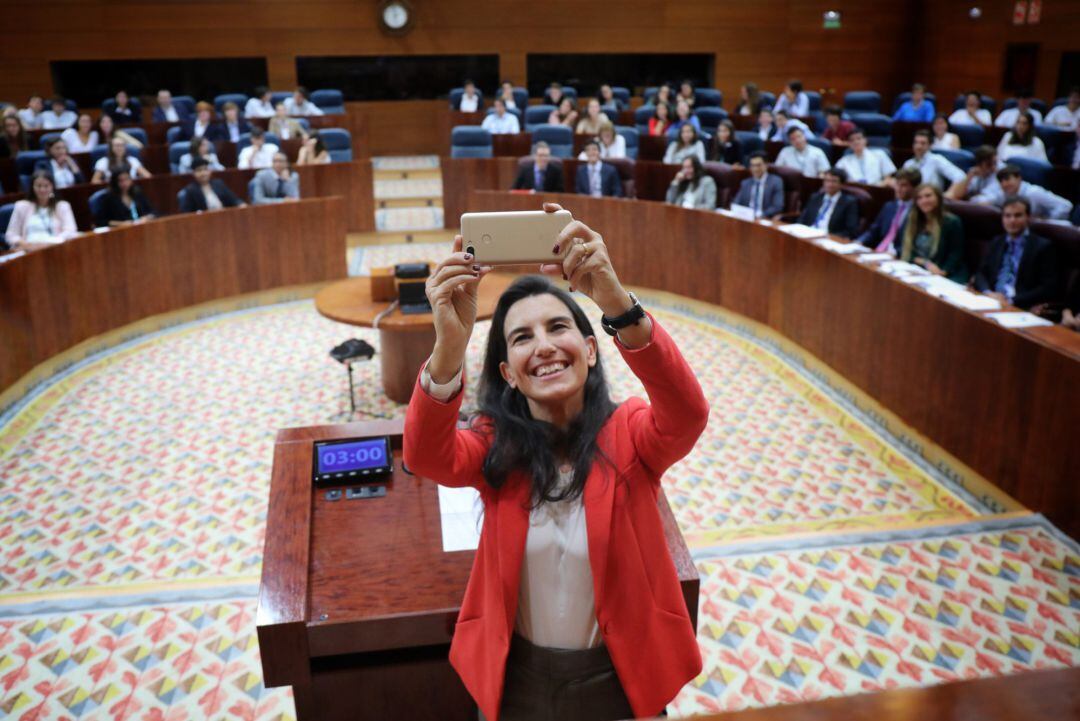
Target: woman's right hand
452,291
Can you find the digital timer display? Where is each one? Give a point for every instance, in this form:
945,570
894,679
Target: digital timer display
351,460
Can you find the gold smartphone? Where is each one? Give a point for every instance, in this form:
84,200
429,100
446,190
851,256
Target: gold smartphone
509,238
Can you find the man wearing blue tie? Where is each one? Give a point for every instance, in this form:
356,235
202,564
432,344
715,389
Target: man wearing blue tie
831,209
761,192
883,233
595,177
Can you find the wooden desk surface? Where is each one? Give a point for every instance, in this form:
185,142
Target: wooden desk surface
349,301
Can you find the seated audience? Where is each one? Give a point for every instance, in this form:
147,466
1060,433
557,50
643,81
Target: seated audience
234,125
470,101
124,112
864,164
564,114
595,177
688,143
118,157
981,178
884,234
609,102
59,163
749,100
1019,268
784,123
41,219
663,95
1007,118
298,103
205,192
501,122
612,145
973,113
14,138
684,115
594,118
202,125
660,120
766,125
506,92
792,100
200,147
261,104
837,129
167,112
1042,204
1022,142
540,175
58,117
831,209
725,147
313,151
943,139
761,192
935,169
686,92
31,114
276,184
107,130
554,95
934,238
1066,117
801,155
692,187
285,127
260,154
82,138
125,202
918,109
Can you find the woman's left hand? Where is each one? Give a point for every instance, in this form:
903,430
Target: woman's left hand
587,265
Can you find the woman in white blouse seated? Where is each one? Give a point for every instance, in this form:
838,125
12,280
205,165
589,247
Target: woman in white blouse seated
943,139
43,219
686,145
973,113
200,147
118,157
612,145
1022,142
63,168
82,138
692,187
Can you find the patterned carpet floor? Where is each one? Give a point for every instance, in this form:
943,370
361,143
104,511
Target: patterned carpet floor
834,560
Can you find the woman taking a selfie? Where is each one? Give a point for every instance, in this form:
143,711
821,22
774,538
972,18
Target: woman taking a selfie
573,609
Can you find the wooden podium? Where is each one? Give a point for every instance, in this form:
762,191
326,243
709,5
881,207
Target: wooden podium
358,600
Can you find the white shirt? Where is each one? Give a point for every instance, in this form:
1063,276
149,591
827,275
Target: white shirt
264,158
213,202
102,166
52,121
506,125
184,166
198,129
617,149
63,176
828,204
1044,204
469,103
1035,150
781,134
1008,118
800,106
596,179
171,116
677,154
872,168
305,108
948,141
1060,117
963,117
979,185
257,108
936,170
75,143
30,119
811,162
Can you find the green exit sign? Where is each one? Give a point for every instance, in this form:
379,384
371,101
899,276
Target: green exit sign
831,19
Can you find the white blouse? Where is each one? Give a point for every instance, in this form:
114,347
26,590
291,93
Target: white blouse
75,143
1035,150
963,117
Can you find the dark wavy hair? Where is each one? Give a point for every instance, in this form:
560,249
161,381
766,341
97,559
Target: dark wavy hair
519,441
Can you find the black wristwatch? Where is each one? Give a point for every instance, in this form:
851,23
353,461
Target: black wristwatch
612,326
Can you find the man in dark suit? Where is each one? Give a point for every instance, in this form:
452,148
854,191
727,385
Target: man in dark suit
541,175
761,192
1019,268
831,209
206,193
595,177
886,229
168,112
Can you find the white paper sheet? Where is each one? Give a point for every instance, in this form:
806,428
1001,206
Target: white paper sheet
1019,319
900,268
874,257
12,256
742,212
460,511
969,301
802,231
840,248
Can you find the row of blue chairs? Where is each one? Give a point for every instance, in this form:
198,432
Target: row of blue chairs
869,101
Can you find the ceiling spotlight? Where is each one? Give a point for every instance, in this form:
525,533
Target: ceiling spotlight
975,12
831,18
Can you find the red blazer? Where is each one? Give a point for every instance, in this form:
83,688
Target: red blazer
639,603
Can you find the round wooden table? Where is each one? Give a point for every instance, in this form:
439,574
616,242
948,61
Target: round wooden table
405,340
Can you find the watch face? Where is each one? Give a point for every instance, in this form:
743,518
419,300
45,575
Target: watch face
395,16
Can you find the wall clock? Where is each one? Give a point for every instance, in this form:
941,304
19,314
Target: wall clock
395,17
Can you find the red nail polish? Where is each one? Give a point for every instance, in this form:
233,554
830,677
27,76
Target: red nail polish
468,256
555,250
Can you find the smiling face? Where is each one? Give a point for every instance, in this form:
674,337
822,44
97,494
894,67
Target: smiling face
927,200
565,107
682,110
592,152
972,102
58,150
1023,125
548,358
830,184
858,142
1014,218
1010,185
688,168
686,134
765,118
941,126
798,139
124,182
118,147
85,124
594,108
11,126
43,190
920,145
105,123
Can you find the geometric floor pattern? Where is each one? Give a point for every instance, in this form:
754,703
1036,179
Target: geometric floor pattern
133,491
